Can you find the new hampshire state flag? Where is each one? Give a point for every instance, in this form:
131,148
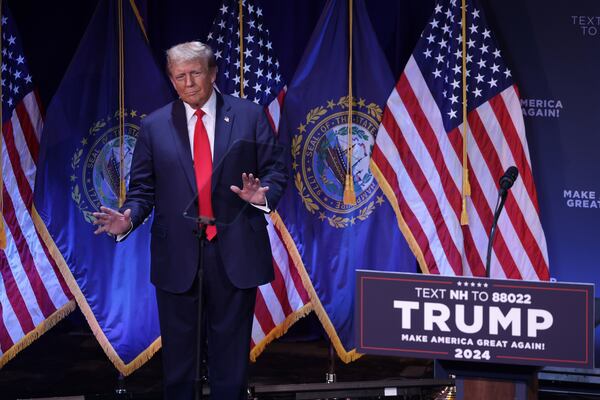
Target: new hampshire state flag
84,157
329,238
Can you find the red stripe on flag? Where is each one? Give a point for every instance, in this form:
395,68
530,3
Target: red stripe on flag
514,142
407,213
279,99
528,241
5,340
28,131
38,101
455,137
39,289
480,202
476,264
473,258
15,298
514,212
419,180
33,144
52,262
263,316
278,285
271,122
485,215
430,141
294,273
13,155
281,96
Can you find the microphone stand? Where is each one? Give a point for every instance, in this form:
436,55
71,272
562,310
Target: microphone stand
499,205
202,222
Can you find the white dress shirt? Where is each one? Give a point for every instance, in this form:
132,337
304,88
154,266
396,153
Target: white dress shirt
210,113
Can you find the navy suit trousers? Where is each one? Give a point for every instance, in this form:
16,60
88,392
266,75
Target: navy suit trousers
227,326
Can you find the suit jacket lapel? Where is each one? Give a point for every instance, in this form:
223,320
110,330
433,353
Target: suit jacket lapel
223,125
182,143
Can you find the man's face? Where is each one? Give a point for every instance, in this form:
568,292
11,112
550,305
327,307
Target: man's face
193,81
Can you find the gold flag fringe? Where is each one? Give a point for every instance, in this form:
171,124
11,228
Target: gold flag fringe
280,330
39,330
125,369
410,239
345,356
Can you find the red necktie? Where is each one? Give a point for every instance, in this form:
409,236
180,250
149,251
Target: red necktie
203,169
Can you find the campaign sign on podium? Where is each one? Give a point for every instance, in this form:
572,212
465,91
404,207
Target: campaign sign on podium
475,319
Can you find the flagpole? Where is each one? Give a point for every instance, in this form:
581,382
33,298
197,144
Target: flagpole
241,21
466,187
122,188
349,195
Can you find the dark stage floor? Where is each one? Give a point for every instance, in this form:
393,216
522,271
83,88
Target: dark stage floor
67,361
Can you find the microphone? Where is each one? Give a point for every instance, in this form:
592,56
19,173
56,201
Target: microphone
508,180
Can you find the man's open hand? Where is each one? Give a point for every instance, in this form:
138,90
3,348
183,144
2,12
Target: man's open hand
111,221
251,190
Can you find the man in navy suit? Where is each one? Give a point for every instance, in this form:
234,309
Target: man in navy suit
222,150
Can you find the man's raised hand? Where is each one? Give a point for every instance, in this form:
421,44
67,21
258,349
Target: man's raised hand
111,221
251,190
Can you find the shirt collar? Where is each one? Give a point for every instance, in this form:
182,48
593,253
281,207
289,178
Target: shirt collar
209,108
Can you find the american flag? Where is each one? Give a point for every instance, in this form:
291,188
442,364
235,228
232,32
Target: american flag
283,301
419,153
33,294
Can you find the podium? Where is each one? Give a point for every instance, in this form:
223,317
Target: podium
491,336
489,381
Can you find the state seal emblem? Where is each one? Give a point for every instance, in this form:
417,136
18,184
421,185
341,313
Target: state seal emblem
319,161
96,176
